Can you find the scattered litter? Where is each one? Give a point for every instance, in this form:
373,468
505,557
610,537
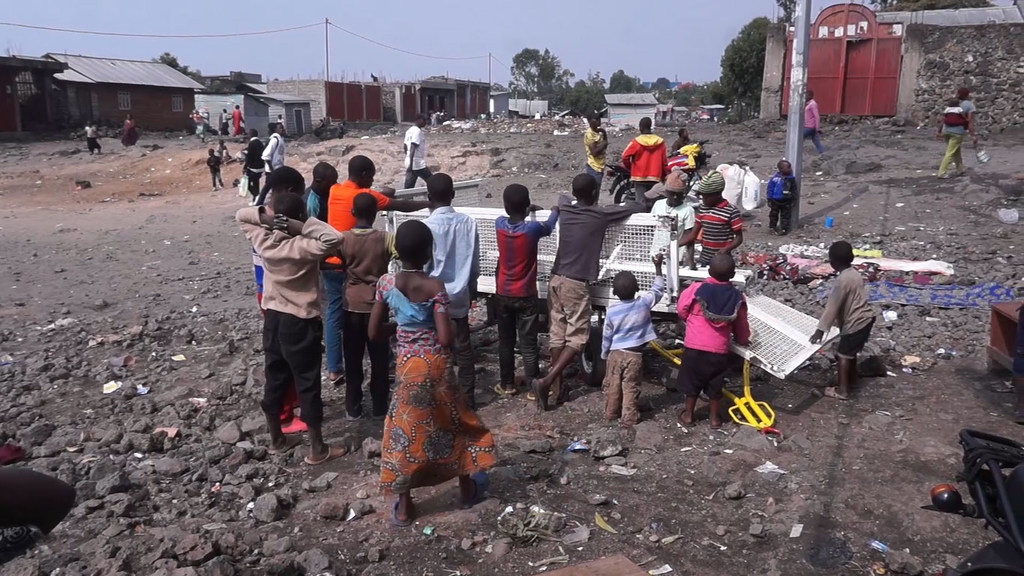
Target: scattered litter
671,539
579,446
797,530
199,402
214,526
170,431
178,357
1008,215
878,546
563,559
62,323
717,545
664,569
910,360
141,390
112,386
579,535
769,468
6,359
900,204
686,448
944,354
602,524
621,470
428,530
126,361
908,370
890,315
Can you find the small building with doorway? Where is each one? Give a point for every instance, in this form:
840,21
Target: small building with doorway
628,109
105,90
293,110
455,98
26,87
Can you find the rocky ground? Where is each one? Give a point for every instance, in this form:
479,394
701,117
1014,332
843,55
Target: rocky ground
171,470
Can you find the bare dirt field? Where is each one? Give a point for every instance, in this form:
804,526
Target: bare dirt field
149,262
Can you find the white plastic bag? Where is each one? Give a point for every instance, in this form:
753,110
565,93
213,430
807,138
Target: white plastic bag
733,176
243,186
742,187
753,197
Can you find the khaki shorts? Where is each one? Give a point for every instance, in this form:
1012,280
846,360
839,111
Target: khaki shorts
569,307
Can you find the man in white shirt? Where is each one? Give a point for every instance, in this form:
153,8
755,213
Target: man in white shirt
457,263
672,204
273,158
416,153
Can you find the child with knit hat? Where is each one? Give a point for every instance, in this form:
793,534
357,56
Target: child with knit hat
717,223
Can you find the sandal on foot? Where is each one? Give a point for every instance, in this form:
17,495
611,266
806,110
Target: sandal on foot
288,446
332,453
503,391
831,392
480,483
394,517
295,426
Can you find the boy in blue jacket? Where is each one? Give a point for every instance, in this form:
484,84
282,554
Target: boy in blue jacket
781,191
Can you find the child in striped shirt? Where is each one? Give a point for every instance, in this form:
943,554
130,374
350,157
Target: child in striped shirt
627,329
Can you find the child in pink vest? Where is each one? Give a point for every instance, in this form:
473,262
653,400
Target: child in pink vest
714,311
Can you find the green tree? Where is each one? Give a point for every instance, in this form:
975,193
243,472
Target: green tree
586,96
743,64
661,83
171,60
537,74
622,83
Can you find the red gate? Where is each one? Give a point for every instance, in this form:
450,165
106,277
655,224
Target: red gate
853,62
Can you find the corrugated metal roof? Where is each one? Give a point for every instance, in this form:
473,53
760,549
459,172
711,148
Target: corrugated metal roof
116,71
961,17
282,98
633,99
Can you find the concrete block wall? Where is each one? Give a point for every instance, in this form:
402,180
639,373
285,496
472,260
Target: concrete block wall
311,89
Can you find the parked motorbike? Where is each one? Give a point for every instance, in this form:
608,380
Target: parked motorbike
994,474
621,188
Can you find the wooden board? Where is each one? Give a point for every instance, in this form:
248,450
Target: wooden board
611,566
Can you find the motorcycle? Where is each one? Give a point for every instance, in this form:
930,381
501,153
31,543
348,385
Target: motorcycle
994,474
621,188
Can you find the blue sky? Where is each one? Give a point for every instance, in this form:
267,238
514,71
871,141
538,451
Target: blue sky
680,40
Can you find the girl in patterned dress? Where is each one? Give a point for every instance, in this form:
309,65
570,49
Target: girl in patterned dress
430,433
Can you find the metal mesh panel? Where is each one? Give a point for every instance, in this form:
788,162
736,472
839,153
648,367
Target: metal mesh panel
780,342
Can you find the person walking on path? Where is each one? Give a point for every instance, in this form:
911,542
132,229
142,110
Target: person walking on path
416,153
92,138
222,122
431,434
238,121
812,122
957,122
273,157
254,167
129,134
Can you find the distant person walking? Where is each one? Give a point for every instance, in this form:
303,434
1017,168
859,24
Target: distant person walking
222,122
812,122
957,122
92,138
237,121
595,144
280,122
273,158
415,147
253,167
129,133
200,125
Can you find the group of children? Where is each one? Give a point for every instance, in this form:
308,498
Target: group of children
431,430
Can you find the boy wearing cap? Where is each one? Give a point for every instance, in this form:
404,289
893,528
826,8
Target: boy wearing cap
717,221
672,204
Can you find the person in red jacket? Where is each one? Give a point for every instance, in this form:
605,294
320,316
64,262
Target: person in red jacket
646,160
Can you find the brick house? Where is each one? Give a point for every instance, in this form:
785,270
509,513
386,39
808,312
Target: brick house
105,90
25,88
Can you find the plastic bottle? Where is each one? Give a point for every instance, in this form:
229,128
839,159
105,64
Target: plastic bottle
829,222
878,546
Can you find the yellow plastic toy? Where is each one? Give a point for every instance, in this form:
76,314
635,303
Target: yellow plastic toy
745,410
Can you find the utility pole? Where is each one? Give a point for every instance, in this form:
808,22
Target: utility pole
327,63
489,72
797,90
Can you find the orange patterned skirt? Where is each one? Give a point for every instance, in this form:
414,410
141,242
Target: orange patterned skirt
430,434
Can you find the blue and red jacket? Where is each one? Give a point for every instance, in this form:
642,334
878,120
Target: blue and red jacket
517,255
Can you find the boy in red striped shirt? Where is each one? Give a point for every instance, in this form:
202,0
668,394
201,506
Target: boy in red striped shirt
717,221
516,286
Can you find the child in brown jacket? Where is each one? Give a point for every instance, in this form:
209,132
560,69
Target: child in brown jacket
291,247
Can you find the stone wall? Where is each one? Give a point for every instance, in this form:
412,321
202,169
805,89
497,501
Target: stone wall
987,59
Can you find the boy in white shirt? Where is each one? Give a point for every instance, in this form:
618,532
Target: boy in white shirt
672,203
415,148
